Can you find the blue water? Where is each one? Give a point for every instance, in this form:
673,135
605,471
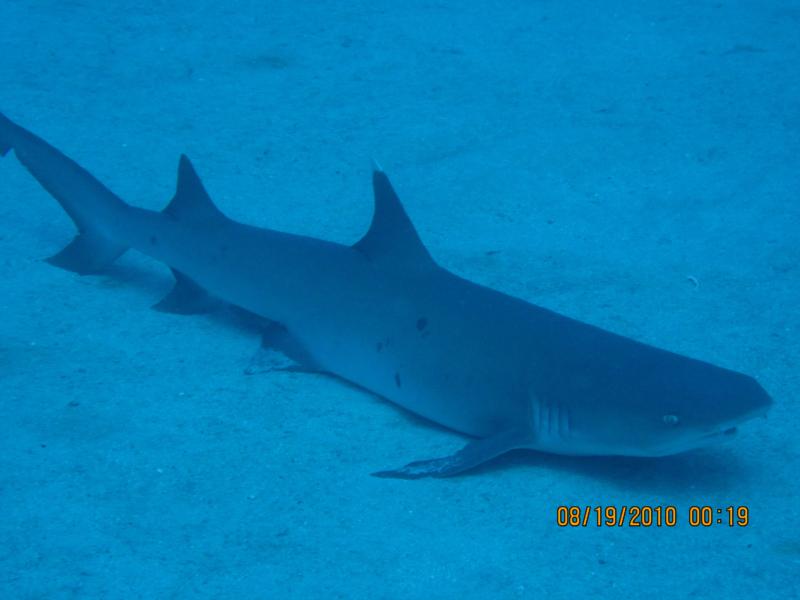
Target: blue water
633,165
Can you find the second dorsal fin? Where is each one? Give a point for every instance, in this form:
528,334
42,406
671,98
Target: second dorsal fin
391,235
191,201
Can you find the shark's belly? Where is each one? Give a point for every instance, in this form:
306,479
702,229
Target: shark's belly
424,358
415,386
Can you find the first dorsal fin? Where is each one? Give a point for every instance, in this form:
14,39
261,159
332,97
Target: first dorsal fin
191,201
391,236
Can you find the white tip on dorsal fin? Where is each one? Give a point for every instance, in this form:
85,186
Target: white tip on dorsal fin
191,201
391,236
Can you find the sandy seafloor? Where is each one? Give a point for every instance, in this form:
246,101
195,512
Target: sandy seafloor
633,165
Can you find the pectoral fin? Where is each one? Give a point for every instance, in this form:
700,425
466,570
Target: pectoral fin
470,456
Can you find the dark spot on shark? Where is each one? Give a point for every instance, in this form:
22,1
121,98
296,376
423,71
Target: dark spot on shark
266,62
397,380
422,323
743,49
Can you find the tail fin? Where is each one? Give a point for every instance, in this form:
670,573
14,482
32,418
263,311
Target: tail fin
6,127
92,206
87,253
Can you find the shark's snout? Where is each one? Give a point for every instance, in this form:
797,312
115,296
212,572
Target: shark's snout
736,399
752,400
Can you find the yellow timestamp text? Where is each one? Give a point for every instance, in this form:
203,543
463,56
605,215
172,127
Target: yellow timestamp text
650,516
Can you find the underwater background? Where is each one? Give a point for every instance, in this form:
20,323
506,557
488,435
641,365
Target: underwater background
634,165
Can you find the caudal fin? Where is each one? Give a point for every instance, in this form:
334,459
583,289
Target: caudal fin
87,253
92,206
6,129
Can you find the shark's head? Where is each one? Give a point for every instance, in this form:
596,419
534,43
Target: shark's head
698,406
665,405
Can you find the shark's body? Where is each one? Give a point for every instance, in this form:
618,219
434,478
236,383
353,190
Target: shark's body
384,315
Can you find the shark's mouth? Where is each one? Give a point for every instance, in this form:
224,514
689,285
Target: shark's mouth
729,432
730,429
693,443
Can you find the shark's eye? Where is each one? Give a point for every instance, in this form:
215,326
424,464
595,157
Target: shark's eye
670,419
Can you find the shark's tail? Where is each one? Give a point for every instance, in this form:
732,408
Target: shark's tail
5,143
95,210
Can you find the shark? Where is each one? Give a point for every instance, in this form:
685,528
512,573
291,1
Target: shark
383,314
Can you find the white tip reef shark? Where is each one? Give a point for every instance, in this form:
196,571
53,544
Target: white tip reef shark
384,315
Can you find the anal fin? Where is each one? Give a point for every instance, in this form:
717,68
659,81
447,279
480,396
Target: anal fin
473,454
187,298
